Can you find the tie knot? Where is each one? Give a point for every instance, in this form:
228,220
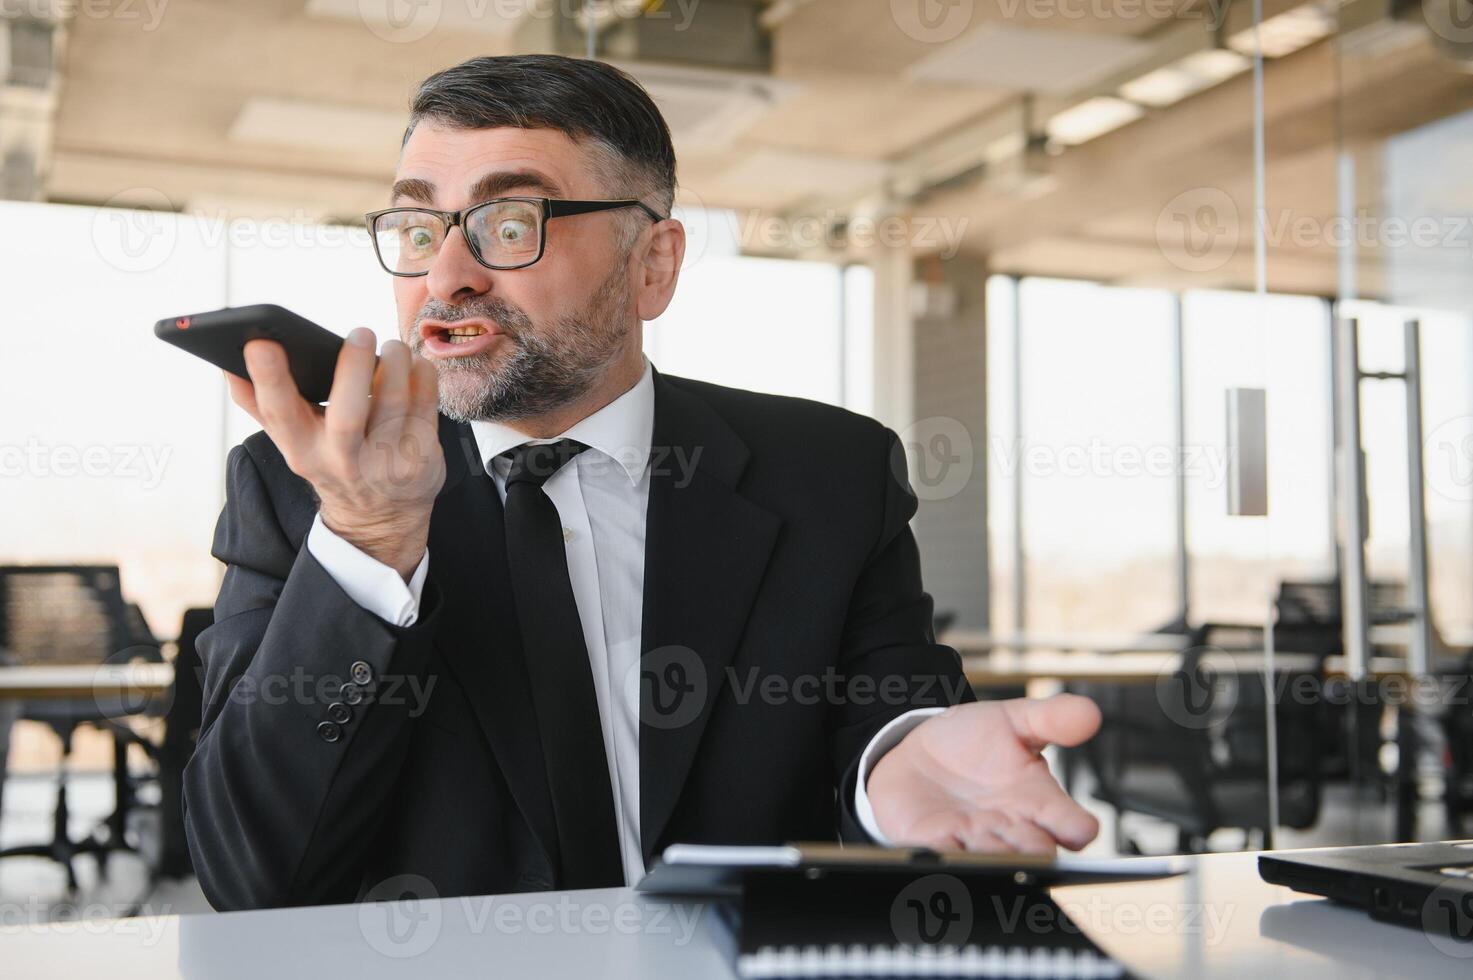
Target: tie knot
535,464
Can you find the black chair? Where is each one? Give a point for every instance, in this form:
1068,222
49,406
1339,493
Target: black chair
75,614
181,731
1309,621
1191,749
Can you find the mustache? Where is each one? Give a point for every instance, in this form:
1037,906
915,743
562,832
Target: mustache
512,320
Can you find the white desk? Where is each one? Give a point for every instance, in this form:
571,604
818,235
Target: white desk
1218,921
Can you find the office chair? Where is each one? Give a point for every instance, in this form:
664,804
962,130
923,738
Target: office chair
75,614
181,731
1192,748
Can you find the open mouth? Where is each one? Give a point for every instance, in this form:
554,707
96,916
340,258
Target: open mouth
461,335
458,339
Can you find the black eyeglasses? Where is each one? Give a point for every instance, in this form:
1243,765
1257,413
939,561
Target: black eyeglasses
503,233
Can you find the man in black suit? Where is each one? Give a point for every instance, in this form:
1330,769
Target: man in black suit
516,611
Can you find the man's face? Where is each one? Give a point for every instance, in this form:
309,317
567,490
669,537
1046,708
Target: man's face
527,341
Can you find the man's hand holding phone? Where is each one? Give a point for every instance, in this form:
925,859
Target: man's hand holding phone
372,455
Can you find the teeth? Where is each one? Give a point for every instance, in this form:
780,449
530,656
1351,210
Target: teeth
465,331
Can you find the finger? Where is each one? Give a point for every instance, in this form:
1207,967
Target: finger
938,832
980,833
285,414
424,388
1064,719
347,400
243,393
1026,837
390,399
1069,823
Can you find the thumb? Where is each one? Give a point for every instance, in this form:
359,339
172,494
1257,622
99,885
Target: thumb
1064,719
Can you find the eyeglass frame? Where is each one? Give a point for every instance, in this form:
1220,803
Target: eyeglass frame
550,207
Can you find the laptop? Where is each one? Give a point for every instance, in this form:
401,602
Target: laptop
1425,886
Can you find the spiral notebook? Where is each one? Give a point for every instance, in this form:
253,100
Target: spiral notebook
846,925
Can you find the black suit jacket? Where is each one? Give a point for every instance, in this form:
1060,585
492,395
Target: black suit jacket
784,623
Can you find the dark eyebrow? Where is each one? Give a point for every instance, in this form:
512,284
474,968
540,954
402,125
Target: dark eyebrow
496,184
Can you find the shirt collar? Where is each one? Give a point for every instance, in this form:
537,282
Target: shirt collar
622,430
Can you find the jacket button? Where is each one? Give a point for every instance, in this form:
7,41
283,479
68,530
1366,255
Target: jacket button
339,713
361,673
351,693
329,732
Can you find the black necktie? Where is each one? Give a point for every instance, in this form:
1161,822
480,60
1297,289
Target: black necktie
557,662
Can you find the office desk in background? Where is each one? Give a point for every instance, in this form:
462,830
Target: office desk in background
1219,920
67,681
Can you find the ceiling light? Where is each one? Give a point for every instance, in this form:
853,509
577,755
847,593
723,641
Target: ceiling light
1287,32
1091,118
1198,71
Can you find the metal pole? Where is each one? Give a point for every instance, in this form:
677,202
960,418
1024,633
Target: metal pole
1354,587
1179,435
1020,556
1419,647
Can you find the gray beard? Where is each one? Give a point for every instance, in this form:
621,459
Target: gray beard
547,368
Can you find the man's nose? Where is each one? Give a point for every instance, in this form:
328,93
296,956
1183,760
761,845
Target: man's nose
455,273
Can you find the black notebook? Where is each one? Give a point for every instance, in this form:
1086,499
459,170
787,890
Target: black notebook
792,924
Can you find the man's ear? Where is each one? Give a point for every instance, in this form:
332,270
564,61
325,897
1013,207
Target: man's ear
657,267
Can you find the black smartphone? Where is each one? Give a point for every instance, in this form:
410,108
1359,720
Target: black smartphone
220,336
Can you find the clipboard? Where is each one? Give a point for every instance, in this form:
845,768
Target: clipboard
719,870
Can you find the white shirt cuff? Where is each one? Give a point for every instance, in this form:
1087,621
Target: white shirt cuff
368,581
885,739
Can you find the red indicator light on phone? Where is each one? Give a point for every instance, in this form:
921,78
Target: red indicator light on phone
182,323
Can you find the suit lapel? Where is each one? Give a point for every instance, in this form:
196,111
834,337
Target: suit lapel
706,549
477,635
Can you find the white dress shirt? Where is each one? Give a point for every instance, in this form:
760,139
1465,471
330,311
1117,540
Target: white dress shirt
601,496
